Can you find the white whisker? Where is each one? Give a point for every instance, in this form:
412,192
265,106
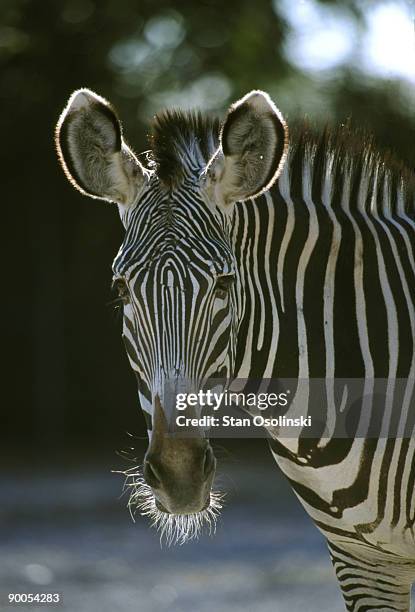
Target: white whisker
173,528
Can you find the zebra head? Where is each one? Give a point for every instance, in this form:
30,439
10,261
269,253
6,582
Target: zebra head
175,272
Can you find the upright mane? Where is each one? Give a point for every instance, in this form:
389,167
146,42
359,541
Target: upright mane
182,142
353,156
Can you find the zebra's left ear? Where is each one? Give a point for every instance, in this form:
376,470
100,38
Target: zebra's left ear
253,147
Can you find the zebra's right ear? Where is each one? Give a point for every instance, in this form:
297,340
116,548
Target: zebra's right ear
252,152
92,152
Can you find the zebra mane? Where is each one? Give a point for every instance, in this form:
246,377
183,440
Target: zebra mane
354,156
182,142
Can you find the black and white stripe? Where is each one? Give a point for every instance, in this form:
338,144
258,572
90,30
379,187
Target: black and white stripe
313,278
337,232
325,287
172,255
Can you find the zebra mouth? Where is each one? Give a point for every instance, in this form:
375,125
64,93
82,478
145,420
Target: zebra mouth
163,508
173,528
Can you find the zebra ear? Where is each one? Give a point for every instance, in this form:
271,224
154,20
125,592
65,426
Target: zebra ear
252,152
92,151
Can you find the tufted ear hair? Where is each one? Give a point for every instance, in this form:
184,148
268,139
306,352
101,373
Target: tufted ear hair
92,152
252,151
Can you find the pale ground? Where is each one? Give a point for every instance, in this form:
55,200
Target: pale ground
65,529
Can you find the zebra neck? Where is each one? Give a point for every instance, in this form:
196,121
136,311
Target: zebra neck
253,238
319,257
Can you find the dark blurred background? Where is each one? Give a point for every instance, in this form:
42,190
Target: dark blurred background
67,381
69,397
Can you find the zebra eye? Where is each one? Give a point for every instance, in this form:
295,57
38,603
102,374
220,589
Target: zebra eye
223,284
121,286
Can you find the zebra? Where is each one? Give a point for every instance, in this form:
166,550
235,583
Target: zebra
251,254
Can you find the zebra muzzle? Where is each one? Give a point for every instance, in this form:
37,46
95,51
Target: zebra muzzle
180,471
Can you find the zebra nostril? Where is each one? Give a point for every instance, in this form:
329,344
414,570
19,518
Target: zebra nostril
150,475
208,462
